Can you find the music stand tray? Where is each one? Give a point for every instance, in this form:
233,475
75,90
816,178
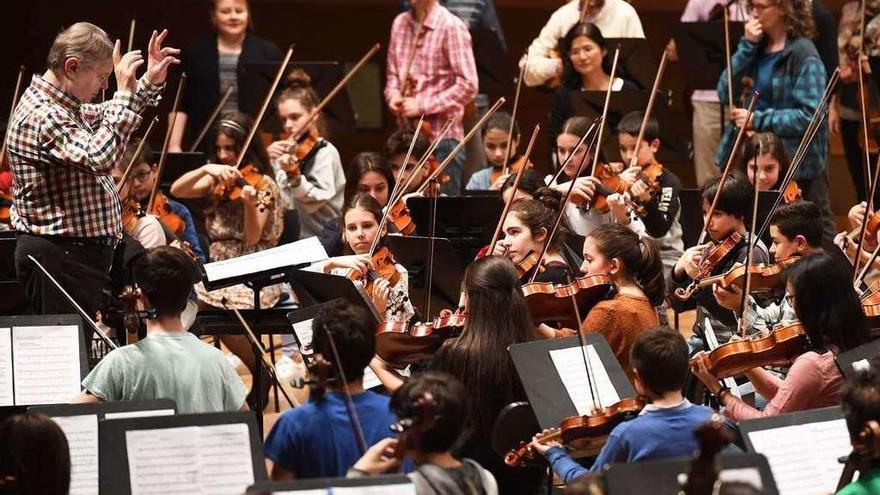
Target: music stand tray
413,252
315,288
467,221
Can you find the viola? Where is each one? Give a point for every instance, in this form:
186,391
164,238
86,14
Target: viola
780,347
162,210
384,264
715,255
552,302
304,148
250,176
400,343
581,431
765,278
522,454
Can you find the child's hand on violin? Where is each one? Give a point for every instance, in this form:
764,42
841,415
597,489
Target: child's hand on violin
379,458
543,447
640,190
617,205
845,244
278,149
223,173
699,369
250,196
380,295
358,262
728,298
630,175
583,191
856,215
738,117
690,260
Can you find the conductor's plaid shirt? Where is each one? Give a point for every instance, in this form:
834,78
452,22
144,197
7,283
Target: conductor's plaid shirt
61,153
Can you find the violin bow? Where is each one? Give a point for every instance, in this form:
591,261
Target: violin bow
85,316
476,128
212,118
861,277
137,154
509,202
333,92
556,177
591,148
263,107
648,110
751,246
863,105
3,165
349,403
605,108
727,59
422,161
261,352
384,220
728,168
522,70
164,153
582,340
131,34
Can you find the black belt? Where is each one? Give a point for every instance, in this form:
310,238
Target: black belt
103,241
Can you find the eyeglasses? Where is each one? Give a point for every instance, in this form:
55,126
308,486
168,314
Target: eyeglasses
141,176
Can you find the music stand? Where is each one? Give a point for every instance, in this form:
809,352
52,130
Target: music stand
636,62
337,115
673,148
544,387
177,164
386,484
12,293
413,252
467,221
662,476
701,50
316,288
858,358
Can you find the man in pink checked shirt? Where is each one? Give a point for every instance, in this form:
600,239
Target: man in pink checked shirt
431,71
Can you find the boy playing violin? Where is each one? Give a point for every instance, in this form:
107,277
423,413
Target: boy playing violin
728,219
665,427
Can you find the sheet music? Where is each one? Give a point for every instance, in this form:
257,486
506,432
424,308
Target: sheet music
144,413
296,253
47,364
82,438
712,343
206,460
572,370
397,489
861,365
803,458
750,475
7,397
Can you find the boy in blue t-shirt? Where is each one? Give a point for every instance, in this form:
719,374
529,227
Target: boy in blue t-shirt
665,426
317,439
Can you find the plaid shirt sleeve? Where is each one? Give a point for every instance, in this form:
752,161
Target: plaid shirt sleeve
741,60
147,94
809,84
459,51
395,46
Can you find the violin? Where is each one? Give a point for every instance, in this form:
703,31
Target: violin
385,268
400,217
715,255
513,167
609,183
552,302
131,213
400,344
303,148
871,307
250,176
162,210
702,476
780,347
765,278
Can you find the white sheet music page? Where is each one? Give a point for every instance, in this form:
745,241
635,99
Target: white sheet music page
296,253
398,489
82,438
803,458
7,397
47,364
197,460
145,413
573,372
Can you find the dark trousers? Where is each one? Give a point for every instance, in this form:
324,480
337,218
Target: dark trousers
816,191
82,267
855,157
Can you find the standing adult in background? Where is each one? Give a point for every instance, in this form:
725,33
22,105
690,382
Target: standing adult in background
776,52
439,72
214,63
615,18
62,151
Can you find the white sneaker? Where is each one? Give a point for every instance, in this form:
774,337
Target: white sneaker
288,369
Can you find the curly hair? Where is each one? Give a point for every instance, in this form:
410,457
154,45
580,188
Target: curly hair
798,17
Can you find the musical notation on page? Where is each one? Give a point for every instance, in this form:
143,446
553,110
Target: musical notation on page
47,364
82,439
206,460
7,395
573,373
803,458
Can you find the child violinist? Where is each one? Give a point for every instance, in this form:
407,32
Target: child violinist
633,263
772,161
361,218
659,360
832,325
728,219
309,172
496,141
396,148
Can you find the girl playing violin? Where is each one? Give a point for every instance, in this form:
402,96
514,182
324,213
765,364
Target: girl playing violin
772,164
236,227
496,140
309,171
634,265
832,325
361,218
368,173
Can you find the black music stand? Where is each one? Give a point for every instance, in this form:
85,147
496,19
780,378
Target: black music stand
673,148
543,385
662,476
467,221
12,293
701,50
115,476
413,252
636,61
315,288
338,114
304,338
111,410
392,484
177,164
858,358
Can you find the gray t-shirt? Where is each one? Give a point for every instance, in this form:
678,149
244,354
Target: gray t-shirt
169,365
